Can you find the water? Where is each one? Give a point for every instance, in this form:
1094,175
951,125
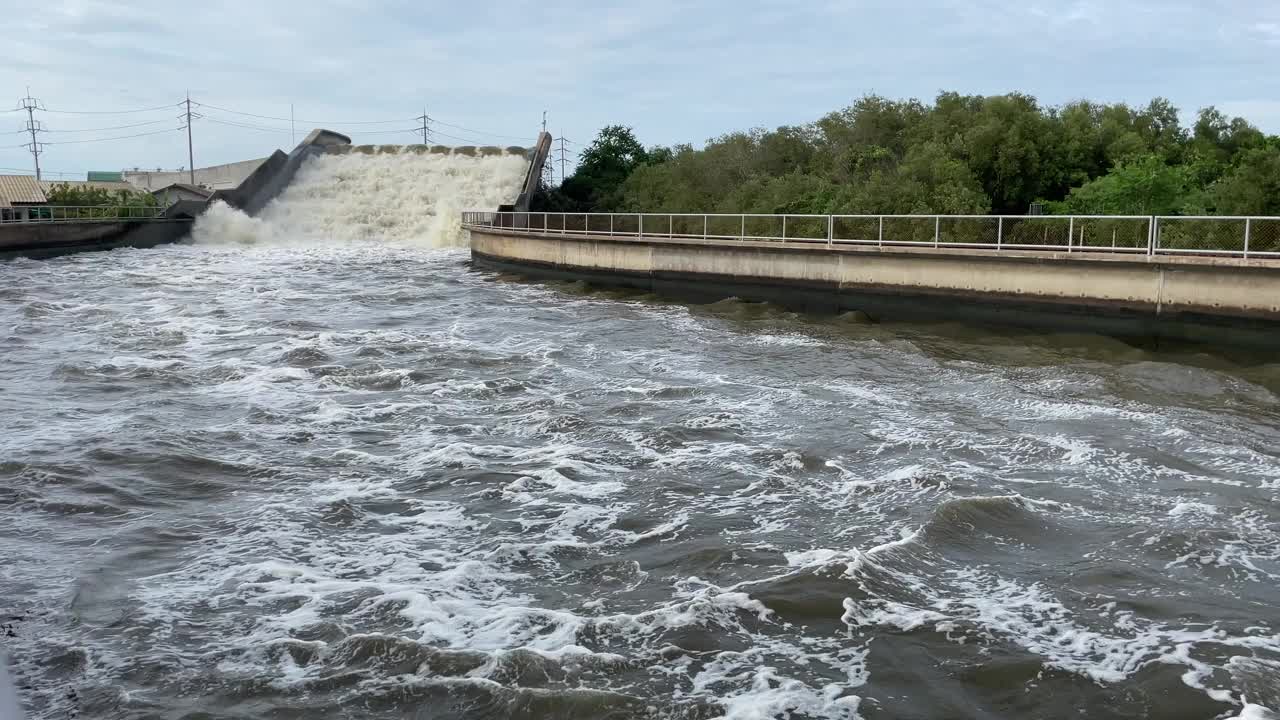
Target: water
395,197
358,478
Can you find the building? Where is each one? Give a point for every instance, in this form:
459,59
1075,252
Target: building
180,191
217,177
19,194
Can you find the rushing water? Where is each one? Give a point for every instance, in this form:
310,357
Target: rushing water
264,476
358,480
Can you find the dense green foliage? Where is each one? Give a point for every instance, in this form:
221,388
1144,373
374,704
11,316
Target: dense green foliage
90,196
960,155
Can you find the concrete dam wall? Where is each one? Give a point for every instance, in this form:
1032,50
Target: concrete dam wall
1192,298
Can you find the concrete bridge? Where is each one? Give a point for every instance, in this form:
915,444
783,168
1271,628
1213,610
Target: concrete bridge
1211,280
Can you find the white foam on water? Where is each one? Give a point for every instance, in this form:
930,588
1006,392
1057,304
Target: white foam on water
392,198
1255,712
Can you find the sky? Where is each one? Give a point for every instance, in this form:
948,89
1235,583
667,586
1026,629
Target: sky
675,71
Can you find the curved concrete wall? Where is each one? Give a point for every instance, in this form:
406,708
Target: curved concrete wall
277,171
1189,298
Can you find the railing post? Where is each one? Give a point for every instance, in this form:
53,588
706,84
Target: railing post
671,226
640,219
610,224
880,242
1153,231
831,230
1071,231
784,228
999,232
937,229
1248,226
743,234
704,227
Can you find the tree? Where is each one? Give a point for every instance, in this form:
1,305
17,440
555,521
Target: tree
93,196
961,154
1253,187
603,167
1142,186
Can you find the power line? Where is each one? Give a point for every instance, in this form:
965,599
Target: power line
246,126
473,131
424,120
454,137
111,112
46,172
121,137
113,127
317,122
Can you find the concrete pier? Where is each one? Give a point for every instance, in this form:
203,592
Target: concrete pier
1184,297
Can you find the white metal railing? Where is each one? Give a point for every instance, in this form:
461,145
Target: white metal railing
1135,234
79,213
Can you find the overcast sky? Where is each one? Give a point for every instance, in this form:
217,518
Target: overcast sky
675,71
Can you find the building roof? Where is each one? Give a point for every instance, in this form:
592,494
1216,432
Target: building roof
195,189
20,190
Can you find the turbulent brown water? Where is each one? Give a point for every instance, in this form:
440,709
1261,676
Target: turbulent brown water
355,480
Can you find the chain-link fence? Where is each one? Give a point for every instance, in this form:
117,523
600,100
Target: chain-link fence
1225,235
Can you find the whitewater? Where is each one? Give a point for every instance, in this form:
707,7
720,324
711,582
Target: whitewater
394,197
314,464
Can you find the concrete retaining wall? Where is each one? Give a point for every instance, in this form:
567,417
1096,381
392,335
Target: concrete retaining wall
49,239
1189,298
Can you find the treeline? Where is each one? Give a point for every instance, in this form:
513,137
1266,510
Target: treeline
962,154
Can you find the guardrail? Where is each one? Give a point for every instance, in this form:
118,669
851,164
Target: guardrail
1135,234
79,213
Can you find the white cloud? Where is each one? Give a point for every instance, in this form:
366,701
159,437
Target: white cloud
675,71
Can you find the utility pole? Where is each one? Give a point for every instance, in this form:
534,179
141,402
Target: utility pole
191,159
544,121
426,125
31,104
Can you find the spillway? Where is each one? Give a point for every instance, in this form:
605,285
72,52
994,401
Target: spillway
389,194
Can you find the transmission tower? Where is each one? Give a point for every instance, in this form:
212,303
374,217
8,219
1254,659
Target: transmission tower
425,129
31,104
562,159
548,169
